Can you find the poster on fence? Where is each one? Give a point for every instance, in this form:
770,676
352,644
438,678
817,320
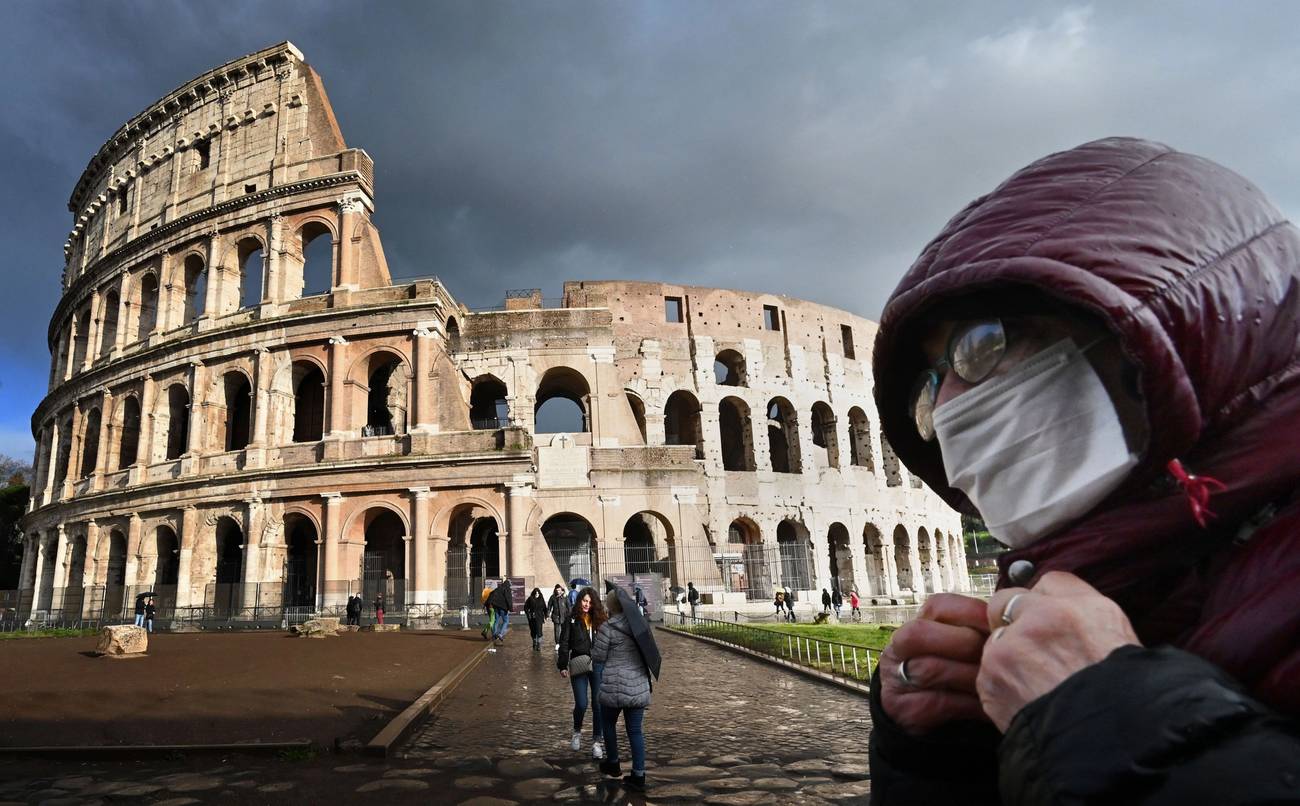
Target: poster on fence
652,588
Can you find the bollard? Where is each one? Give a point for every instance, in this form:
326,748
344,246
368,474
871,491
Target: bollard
464,618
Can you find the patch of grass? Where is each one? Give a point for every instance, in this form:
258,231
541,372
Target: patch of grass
58,632
855,659
867,636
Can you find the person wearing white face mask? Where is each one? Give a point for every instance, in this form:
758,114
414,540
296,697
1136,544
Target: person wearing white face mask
1055,361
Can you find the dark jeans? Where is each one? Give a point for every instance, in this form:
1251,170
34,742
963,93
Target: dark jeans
632,718
581,684
556,629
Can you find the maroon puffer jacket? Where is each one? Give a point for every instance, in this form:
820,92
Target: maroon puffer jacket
1199,276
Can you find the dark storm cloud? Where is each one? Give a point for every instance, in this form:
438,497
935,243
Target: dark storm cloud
803,148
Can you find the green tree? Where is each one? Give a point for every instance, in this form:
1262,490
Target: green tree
13,502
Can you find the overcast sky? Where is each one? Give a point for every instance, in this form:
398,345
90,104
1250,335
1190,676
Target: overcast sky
801,148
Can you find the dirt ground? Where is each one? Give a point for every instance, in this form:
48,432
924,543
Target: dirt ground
217,688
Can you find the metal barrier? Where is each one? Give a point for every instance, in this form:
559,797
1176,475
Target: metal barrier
846,661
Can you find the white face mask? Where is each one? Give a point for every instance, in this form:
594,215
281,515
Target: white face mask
1035,448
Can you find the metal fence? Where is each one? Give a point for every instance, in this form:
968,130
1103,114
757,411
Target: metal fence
844,661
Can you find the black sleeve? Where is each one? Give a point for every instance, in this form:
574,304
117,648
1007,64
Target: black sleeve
562,657
957,763
1151,727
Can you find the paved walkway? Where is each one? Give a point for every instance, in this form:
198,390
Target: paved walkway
723,730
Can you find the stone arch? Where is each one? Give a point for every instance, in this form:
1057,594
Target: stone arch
166,549
873,545
309,391
63,453
128,438
174,422
893,469
860,440
452,330
301,558
648,544
736,433
80,339
841,558
115,580
316,271
194,287
729,369
225,597
233,415
903,558
637,405
563,402
794,547
826,444
384,564
745,559
90,441
381,378
146,308
926,554
943,557
473,551
250,254
108,322
572,542
682,421
783,436
74,585
489,408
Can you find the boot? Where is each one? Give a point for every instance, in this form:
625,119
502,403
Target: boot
611,769
634,782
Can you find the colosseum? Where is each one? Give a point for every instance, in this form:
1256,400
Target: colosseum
248,416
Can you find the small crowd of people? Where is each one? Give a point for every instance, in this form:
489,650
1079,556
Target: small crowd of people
145,611
602,655
833,600
356,605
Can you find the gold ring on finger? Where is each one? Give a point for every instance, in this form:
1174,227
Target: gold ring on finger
1007,615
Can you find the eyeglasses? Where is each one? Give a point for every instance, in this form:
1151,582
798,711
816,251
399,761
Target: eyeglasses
974,351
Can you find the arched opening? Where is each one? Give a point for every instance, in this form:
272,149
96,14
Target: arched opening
873,548
64,455
488,409
473,554
826,444
383,563
90,443
752,574
74,592
178,421
299,561
251,270
645,545
147,314
729,369
783,436
308,402
893,470
386,400
795,548
166,570
239,405
196,287
903,558
225,596
841,556
80,340
736,434
129,443
48,549
115,576
108,329
572,542
682,421
860,440
563,402
317,244
925,554
638,414
943,558
453,335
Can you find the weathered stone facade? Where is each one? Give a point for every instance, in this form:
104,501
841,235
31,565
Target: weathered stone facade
241,396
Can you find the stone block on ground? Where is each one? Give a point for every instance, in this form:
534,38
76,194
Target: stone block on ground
121,640
382,628
317,627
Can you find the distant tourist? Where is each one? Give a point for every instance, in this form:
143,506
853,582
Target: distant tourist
789,602
558,607
826,601
501,600
535,609
639,596
692,597
837,601
575,662
624,688
779,602
354,610
379,607
139,611
149,612
854,605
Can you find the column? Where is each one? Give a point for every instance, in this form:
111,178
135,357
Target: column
105,440
41,469
60,569
41,598
74,453
134,532
518,495
92,334
188,537
331,596
611,538
422,590
348,209
212,294
123,324
422,347
274,291
263,369
438,569
198,377
144,449
254,520
338,359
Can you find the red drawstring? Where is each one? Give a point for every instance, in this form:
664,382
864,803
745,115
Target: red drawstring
1197,489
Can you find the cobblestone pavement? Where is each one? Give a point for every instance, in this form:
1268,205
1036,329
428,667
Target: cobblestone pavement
722,730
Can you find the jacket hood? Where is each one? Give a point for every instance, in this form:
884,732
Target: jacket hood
1187,263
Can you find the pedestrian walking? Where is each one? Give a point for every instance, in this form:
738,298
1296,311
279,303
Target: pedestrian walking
575,663
501,600
837,601
535,610
639,597
558,608
692,597
624,689
149,612
139,611
826,601
379,607
854,602
779,602
789,602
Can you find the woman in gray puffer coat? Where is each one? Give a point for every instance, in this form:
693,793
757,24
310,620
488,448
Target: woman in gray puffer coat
625,687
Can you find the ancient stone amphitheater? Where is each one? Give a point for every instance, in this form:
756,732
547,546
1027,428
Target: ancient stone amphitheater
248,416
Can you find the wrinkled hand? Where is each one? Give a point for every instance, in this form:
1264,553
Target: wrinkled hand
564,673
1060,627
942,647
